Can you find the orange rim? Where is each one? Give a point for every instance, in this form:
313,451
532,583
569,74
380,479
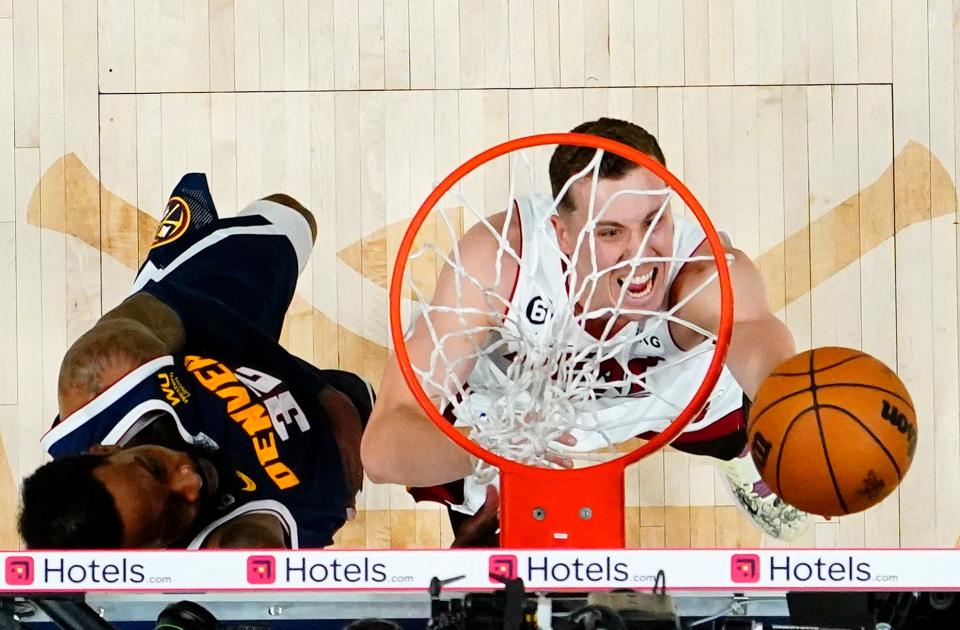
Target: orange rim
626,152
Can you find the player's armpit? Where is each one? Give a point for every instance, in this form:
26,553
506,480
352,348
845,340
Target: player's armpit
249,531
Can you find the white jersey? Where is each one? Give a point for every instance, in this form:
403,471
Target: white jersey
672,375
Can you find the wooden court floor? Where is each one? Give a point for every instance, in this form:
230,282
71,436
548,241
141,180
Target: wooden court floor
822,135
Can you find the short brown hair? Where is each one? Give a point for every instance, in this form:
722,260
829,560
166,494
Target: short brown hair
568,160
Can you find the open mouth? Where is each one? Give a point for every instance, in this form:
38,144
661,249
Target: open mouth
641,286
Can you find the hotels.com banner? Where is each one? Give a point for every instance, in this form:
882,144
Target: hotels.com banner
412,570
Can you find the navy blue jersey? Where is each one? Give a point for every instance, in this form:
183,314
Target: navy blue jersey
234,391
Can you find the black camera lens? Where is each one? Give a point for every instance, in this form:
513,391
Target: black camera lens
186,615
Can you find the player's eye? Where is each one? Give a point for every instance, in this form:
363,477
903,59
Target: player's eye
153,467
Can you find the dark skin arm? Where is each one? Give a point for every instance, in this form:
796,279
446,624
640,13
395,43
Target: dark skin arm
143,328
139,330
480,530
345,424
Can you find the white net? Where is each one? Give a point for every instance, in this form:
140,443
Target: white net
542,341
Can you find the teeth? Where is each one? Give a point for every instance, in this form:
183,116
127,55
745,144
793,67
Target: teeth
644,283
642,293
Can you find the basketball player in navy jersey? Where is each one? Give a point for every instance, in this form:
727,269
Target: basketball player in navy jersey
183,422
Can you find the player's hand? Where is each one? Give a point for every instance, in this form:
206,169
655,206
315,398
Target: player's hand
481,529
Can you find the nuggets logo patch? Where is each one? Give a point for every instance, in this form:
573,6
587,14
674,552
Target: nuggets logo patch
175,221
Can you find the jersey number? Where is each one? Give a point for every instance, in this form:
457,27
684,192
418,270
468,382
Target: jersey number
281,405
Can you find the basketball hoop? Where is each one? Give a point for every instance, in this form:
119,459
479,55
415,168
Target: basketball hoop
543,506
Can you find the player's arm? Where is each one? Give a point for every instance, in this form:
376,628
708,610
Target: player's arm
346,425
248,531
401,444
140,329
759,341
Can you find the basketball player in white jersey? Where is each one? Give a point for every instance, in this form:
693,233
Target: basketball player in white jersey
401,444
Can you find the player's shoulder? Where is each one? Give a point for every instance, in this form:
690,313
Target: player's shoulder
746,280
697,271
481,243
489,236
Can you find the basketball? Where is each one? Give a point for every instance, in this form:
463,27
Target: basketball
832,431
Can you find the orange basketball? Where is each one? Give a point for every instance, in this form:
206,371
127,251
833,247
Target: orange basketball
832,431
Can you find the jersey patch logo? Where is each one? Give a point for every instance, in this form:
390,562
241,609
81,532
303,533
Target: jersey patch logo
173,389
175,221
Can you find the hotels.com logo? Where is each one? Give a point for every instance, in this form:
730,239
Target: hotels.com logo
261,570
745,567
503,566
18,570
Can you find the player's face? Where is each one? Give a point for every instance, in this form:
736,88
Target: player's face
159,492
618,235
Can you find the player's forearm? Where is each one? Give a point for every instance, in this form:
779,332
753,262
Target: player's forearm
756,349
402,446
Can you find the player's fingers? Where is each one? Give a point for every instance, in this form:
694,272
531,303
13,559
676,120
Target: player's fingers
567,440
560,460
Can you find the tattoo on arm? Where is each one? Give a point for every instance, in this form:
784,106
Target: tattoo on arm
137,331
97,357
